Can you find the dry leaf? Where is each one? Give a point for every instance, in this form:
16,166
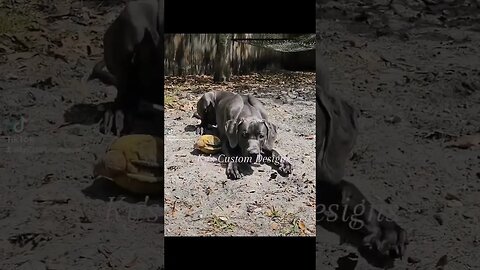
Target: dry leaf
132,262
302,227
449,196
274,226
466,141
310,137
442,262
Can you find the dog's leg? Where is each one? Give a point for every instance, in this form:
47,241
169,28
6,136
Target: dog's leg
201,128
204,104
233,170
118,119
336,133
104,76
275,159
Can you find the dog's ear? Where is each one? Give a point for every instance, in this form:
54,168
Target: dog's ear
231,128
152,37
339,131
145,51
271,135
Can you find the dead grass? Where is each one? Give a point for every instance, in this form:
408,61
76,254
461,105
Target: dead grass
15,21
220,224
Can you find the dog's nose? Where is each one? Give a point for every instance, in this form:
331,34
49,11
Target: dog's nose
253,156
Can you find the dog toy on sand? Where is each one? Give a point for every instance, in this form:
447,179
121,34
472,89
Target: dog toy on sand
208,144
135,163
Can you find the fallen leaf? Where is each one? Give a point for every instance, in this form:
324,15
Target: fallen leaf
274,226
453,200
449,196
437,135
302,227
465,142
413,260
442,262
310,137
454,203
132,262
438,218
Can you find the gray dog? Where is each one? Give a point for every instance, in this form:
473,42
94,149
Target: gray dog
206,106
336,135
133,55
244,130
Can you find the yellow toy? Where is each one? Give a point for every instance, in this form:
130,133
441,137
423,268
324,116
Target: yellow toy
135,163
208,144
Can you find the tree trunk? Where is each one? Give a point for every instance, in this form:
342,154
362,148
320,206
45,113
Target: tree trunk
221,65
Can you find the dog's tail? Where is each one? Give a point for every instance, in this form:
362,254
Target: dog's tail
104,76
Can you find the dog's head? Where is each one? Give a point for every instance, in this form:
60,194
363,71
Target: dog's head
251,135
206,108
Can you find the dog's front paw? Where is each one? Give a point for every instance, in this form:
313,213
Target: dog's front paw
233,171
200,130
285,168
113,122
386,236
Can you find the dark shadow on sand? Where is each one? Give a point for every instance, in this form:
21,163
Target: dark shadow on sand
84,114
105,190
144,122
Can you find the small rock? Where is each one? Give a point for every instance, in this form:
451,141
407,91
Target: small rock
274,226
413,260
453,204
388,200
393,119
449,196
468,215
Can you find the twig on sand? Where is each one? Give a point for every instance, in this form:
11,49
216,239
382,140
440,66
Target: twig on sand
52,201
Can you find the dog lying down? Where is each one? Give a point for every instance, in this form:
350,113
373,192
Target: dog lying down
133,58
246,134
336,134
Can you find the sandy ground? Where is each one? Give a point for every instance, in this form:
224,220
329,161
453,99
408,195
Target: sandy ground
412,68
200,200
53,215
